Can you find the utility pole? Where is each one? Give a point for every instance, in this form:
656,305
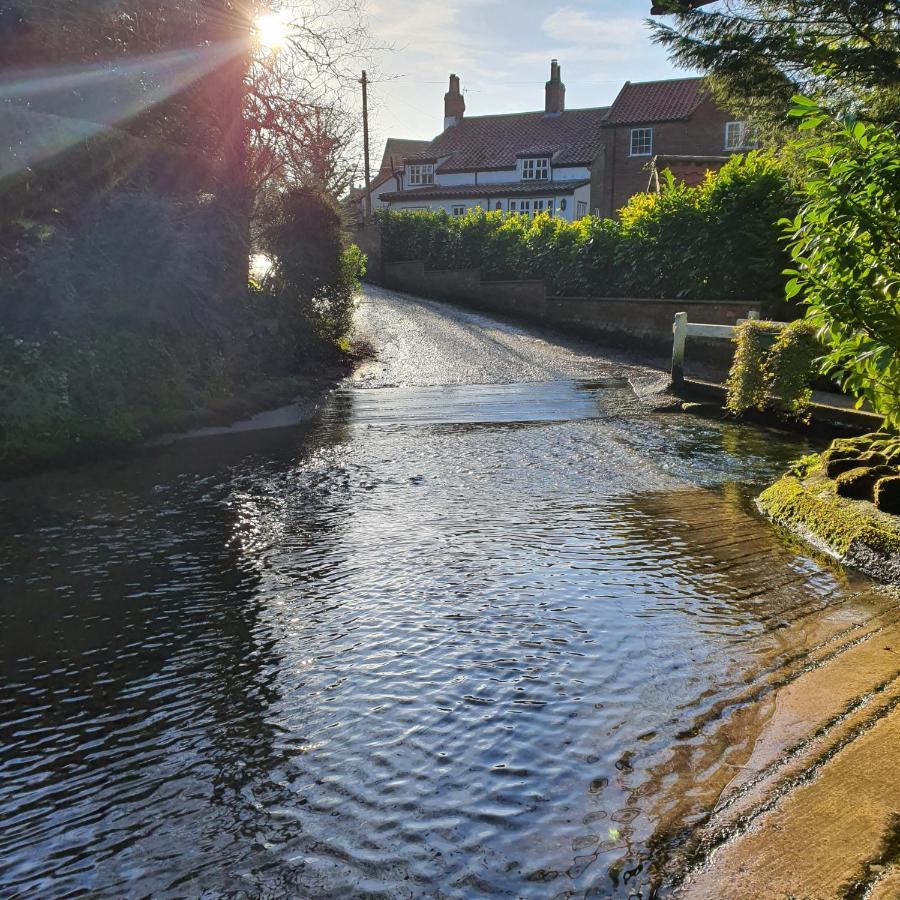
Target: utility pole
365,83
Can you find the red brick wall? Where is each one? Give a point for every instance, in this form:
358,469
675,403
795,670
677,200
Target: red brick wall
702,134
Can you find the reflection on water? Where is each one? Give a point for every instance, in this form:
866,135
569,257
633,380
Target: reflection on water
501,657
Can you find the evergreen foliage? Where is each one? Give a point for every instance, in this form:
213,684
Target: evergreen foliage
773,368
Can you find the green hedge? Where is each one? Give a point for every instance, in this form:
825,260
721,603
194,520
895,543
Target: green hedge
719,240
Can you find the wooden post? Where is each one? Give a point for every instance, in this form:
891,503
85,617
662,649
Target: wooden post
364,81
679,331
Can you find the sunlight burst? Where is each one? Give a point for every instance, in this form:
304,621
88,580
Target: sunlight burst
272,30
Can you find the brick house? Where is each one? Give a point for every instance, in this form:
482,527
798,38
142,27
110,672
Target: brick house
655,125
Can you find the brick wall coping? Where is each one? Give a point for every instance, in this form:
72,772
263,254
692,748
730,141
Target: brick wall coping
676,302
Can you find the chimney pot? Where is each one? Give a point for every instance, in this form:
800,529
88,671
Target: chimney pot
554,91
454,103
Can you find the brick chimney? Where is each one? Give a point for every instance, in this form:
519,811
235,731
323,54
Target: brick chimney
554,92
454,103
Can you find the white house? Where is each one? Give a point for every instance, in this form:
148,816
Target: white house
523,163
388,175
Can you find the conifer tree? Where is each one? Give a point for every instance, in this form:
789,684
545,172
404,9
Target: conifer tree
758,53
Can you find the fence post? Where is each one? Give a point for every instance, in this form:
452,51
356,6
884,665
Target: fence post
679,331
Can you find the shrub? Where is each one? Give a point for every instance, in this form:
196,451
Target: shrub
773,368
134,259
845,247
335,302
310,266
112,323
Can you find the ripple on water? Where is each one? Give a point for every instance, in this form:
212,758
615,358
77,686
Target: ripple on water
382,660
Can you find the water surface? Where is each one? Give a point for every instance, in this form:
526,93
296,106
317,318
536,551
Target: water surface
476,642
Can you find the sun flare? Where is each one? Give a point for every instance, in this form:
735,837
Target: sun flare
271,30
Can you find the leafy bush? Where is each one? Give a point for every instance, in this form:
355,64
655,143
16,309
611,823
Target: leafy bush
310,267
719,240
335,302
773,369
134,258
845,247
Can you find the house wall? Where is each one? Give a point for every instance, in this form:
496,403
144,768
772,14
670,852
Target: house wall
702,134
598,174
490,203
503,176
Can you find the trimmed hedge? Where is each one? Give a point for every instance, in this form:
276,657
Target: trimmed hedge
717,241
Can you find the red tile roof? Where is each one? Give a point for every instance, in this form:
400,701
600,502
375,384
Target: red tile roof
377,181
397,149
497,189
657,101
495,142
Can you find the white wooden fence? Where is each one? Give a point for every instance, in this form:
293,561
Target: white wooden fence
681,328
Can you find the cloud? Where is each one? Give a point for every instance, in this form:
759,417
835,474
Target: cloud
586,36
502,54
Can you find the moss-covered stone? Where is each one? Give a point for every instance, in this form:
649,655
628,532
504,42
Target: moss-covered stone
859,484
873,458
855,532
878,435
832,454
835,467
859,444
887,494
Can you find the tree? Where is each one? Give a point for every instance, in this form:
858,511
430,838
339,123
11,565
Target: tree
183,75
758,53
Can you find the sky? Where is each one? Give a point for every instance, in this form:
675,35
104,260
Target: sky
501,51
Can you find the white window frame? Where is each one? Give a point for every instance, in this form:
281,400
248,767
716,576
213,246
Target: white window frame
741,142
536,168
458,209
520,207
542,205
580,209
641,138
419,174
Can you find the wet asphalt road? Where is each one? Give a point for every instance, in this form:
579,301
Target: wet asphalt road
424,342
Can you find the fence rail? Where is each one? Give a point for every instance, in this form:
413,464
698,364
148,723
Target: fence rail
681,329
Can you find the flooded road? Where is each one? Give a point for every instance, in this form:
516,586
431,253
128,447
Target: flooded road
488,627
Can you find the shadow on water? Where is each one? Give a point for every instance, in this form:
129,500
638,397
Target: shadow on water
493,652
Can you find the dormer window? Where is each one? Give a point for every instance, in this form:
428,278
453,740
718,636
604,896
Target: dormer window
536,168
420,174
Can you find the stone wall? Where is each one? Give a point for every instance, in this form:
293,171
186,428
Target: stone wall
625,321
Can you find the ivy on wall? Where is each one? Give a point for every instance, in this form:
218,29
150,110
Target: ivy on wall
773,368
